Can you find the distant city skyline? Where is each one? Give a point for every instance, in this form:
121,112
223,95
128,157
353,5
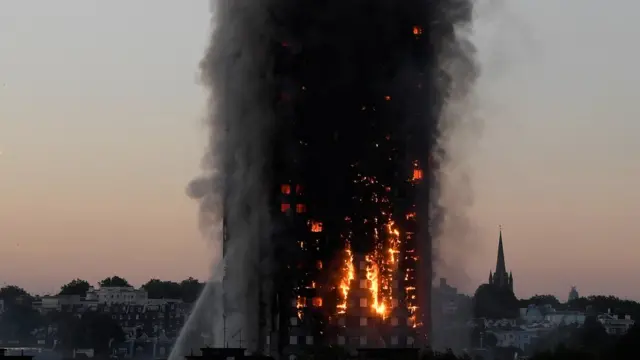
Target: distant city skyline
100,131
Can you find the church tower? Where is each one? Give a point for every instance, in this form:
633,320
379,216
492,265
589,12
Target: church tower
501,278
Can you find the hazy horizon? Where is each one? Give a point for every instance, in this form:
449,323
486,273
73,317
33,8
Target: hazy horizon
100,132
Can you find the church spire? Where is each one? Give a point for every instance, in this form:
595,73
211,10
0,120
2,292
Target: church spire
501,268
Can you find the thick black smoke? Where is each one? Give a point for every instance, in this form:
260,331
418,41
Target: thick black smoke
359,68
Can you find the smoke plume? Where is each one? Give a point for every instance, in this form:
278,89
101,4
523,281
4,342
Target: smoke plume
233,187
238,71
459,127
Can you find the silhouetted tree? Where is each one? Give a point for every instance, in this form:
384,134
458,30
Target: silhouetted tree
490,340
19,318
191,289
12,294
493,302
91,330
75,287
187,290
627,346
602,304
158,289
540,300
114,281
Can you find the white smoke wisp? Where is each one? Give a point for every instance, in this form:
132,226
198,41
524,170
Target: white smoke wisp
233,188
460,128
493,41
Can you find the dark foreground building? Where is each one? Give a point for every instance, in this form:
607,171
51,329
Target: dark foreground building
5,356
356,93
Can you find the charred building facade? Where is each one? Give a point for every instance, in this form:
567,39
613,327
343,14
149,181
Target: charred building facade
351,176
356,93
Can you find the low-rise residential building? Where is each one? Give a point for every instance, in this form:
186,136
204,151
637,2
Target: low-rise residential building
536,314
520,337
616,324
531,314
568,317
117,295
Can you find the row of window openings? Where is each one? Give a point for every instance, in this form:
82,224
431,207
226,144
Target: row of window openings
364,321
293,340
300,208
285,189
117,296
317,301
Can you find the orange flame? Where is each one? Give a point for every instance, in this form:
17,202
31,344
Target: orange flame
417,174
316,226
345,283
374,286
300,304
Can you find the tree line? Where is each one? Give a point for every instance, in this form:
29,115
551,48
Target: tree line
186,290
492,302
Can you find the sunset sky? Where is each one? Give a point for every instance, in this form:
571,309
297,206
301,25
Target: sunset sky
101,130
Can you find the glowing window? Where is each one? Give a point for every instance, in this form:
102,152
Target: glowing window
299,189
363,284
417,30
363,265
285,189
363,302
387,98
394,303
301,208
417,174
316,226
363,340
317,301
285,207
319,265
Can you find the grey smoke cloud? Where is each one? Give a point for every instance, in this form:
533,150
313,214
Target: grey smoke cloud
234,163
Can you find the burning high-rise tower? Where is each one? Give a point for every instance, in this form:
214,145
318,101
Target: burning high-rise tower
325,144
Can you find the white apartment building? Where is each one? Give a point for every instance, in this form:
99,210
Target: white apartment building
117,295
614,324
521,338
558,318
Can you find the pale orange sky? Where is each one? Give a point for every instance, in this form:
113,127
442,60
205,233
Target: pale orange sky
100,131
